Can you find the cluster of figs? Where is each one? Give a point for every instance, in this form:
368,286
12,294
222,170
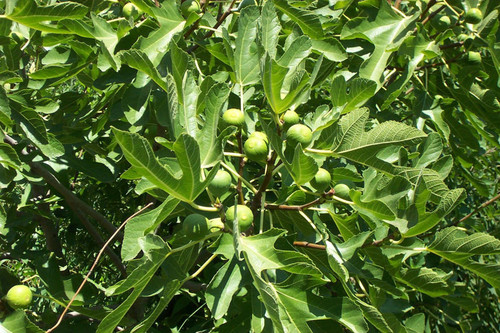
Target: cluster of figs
256,148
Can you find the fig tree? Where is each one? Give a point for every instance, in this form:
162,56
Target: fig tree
221,183
19,297
190,6
195,226
474,16
245,216
131,10
321,180
256,149
234,117
342,191
299,133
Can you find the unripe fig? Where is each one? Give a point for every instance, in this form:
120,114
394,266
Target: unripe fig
215,225
321,180
195,226
473,58
260,135
342,191
190,6
19,297
474,16
131,10
256,149
441,23
234,117
245,216
299,133
221,183
291,117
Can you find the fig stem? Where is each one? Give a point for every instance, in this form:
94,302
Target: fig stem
203,208
246,182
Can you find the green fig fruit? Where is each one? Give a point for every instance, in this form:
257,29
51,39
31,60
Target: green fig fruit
19,297
195,226
474,16
234,117
342,191
321,180
245,217
130,10
256,149
299,133
221,183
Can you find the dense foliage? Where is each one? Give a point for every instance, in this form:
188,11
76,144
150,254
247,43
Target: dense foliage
351,186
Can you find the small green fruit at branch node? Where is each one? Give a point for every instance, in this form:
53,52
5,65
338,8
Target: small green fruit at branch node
441,23
245,217
259,135
19,297
474,58
234,117
190,6
256,149
474,16
195,226
291,117
131,10
215,225
299,133
221,183
321,180
342,191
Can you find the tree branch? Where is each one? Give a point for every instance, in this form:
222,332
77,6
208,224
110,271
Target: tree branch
69,196
93,267
219,22
485,204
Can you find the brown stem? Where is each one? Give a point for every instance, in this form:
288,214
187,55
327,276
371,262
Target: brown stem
429,5
67,194
450,46
79,207
310,245
194,26
219,22
397,4
265,183
434,13
49,229
76,203
485,204
93,267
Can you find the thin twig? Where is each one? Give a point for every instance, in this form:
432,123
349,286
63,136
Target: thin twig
69,196
93,266
296,208
265,183
219,22
310,245
485,204
429,5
